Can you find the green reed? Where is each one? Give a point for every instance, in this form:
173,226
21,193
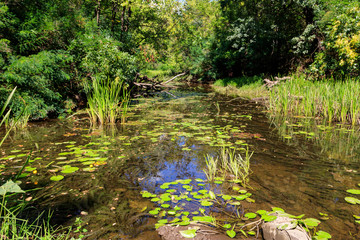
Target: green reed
335,101
211,167
229,165
108,101
5,116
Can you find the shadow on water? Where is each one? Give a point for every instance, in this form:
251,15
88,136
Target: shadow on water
166,138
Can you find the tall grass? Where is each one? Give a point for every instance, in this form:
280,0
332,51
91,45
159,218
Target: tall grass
13,227
229,165
108,101
334,101
5,116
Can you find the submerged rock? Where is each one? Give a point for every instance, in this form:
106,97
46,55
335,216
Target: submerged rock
283,228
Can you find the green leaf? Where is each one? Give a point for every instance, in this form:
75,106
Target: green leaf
206,203
190,233
57,178
268,218
163,221
227,226
323,234
231,233
353,191
250,215
311,222
226,197
10,187
352,200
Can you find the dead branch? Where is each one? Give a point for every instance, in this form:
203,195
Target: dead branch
269,84
171,79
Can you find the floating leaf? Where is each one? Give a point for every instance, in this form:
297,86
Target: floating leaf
352,200
276,209
206,203
226,197
203,219
57,178
69,169
231,233
165,205
323,235
312,222
268,218
227,225
353,191
241,197
250,215
154,212
163,221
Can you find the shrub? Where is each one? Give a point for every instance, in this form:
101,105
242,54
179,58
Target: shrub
101,58
341,46
42,82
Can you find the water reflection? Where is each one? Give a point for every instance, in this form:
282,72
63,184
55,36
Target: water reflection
165,139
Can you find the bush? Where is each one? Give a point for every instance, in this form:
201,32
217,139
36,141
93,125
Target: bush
340,55
101,58
42,82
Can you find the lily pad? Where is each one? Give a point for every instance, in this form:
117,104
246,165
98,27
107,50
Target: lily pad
190,233
57,178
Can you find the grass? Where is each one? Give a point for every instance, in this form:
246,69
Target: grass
335,101
247,87
4,116
108,101
231,165
13,227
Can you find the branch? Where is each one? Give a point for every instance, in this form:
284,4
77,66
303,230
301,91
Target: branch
181,74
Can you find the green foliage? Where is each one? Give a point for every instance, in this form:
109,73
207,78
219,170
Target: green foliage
108,101
333,101
340,55
42,81
256,36
100,57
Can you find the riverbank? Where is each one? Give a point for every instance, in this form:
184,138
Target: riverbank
334,101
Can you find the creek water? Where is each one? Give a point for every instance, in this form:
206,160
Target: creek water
164,139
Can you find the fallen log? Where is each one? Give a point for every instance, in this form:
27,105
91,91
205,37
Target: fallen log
269,84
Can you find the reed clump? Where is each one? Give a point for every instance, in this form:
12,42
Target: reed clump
335,101
108,101
229,165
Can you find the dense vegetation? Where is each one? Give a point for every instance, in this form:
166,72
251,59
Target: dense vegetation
53,50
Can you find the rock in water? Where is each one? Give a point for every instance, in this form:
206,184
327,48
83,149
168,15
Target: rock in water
283,228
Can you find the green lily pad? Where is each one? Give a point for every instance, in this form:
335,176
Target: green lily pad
57,178
206,203
352,200
190,233
231,233
250,215
69,169
227,226
353,191
312,222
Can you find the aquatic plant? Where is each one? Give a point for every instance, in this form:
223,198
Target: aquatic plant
5,116
332,100
108,101
13,227
230,165
211,167
186,201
